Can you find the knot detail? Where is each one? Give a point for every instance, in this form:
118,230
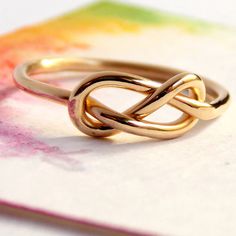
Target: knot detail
95,119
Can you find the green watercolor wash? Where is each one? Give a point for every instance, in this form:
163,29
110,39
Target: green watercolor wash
114,10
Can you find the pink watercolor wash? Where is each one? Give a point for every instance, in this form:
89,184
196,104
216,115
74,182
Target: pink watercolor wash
18,141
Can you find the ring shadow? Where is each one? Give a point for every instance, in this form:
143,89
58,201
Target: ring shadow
112,145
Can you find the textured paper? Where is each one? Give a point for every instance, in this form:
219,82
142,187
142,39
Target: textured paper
185,186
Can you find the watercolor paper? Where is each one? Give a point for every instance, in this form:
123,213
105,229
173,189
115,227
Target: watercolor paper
185,186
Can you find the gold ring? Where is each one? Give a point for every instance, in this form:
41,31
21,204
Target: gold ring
197,97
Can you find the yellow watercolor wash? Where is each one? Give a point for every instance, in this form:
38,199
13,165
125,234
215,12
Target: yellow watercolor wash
68,31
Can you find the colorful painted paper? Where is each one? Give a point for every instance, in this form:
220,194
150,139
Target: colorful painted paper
127,182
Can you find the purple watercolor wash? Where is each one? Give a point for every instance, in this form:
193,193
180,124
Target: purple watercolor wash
19,141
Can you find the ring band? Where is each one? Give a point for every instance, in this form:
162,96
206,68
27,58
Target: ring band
203,99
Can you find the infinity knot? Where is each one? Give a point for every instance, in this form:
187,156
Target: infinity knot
94,118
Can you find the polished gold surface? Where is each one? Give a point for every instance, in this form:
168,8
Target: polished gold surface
198,98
